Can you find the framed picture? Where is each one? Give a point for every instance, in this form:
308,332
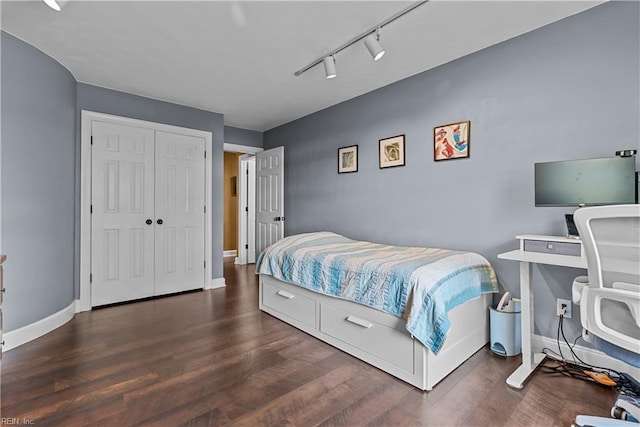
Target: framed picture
451,141
392,152
348,159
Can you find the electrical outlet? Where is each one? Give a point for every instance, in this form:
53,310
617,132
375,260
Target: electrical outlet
567,307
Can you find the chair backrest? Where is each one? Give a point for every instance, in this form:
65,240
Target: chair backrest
611,303
611,241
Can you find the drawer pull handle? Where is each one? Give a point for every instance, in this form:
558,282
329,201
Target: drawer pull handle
286,295
359,322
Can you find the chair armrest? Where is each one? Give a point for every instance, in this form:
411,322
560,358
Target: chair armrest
593,308
626,286
579,284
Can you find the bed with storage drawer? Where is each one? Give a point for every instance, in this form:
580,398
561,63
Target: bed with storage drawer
415,313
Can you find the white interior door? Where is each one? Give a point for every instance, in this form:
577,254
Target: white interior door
247,209
179,212
269,197
122,244
251,211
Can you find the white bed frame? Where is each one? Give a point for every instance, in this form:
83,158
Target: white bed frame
378,338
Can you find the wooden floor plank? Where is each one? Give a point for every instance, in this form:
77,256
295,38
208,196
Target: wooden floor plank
212,358
365,407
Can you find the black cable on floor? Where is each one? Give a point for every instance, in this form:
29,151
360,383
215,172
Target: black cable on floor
558,364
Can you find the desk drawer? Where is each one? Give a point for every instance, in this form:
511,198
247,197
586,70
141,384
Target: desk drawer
391,345
550,247
289,303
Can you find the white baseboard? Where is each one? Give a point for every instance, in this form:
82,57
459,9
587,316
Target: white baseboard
227,254
589,355
216,283
23,335
83,304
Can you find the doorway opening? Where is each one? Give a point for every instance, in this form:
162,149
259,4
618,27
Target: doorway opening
230,214
239,202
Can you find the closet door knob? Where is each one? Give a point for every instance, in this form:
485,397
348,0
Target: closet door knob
159,222
149,222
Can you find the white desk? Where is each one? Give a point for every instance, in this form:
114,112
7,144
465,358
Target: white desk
531,360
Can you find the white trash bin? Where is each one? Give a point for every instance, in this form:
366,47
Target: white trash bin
505,332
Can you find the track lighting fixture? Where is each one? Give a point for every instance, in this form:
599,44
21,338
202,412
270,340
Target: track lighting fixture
329,66
371,40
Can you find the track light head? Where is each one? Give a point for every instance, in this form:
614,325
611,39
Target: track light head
53,5
56,5
373,45
329,66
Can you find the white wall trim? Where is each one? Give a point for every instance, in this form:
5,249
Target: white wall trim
216,283
84,301
231,253
23,335
236,148
589,355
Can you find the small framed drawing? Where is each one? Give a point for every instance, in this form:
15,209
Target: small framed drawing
451,141
392,152
348,159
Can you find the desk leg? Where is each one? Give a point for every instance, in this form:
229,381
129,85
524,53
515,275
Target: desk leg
529,360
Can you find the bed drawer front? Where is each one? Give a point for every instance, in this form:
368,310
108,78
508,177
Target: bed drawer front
290,303
381,341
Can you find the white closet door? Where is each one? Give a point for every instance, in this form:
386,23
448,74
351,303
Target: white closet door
180,216
122,244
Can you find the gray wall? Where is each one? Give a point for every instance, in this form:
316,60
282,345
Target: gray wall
567,91
101,100
41,175
233,135
38,144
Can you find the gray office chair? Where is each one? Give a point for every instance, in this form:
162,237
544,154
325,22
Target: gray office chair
609,298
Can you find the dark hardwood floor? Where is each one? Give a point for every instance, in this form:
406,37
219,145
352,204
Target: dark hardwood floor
212,358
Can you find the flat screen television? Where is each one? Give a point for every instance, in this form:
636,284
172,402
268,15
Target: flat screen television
590,182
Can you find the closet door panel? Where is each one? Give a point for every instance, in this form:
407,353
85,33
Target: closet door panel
122,243
180,201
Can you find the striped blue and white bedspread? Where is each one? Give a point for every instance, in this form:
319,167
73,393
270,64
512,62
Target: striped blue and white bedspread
418,284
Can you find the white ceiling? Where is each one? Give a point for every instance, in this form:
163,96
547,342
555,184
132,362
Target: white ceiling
238,57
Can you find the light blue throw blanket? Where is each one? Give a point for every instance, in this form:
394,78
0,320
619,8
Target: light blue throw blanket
419,285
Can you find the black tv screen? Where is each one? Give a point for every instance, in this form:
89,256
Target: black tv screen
606,181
